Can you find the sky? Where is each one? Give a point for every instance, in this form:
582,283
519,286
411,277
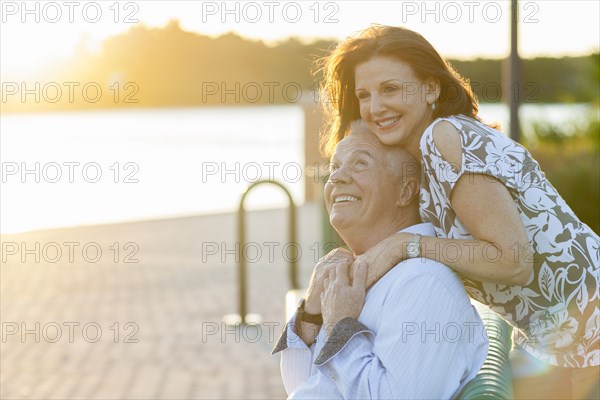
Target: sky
35,33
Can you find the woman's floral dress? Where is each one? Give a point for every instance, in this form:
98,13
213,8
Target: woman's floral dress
556,312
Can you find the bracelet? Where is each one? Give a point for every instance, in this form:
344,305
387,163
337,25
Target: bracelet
310,318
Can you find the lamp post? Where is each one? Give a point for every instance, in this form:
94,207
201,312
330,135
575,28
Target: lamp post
512,82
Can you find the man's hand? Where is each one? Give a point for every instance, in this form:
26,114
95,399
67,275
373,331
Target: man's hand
335,258
341,298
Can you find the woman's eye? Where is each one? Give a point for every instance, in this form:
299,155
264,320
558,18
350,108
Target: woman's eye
389,89
362,95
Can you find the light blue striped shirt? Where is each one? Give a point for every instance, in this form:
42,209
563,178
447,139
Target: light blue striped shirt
417,337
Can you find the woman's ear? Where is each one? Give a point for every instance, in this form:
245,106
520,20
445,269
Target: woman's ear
408,191
432,90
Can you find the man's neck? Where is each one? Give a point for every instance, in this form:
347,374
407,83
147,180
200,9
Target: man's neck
360,242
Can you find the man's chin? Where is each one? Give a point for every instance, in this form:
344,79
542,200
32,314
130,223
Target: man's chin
343,224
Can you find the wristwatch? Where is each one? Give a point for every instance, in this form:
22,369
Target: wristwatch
310,318
414,246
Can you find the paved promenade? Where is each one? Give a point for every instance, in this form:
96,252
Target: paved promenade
79,324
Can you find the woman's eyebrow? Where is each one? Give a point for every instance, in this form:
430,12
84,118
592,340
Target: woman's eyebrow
382,83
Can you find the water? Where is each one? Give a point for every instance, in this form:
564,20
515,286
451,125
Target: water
110,166
151,163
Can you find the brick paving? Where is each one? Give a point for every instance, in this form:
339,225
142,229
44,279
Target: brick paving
146,330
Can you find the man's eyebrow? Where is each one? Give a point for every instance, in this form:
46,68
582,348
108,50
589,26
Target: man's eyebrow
354,154
362,152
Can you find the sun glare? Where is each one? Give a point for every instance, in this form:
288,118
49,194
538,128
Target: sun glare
34,34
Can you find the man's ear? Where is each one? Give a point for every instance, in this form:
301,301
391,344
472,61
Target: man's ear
408,190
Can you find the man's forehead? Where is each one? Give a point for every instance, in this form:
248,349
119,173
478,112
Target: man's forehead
360,143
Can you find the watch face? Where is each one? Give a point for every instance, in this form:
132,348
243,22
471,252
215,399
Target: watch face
412,249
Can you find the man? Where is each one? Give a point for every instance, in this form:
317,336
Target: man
417,335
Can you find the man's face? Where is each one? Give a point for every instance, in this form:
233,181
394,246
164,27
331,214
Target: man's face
361,191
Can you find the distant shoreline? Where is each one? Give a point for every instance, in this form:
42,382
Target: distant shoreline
124,224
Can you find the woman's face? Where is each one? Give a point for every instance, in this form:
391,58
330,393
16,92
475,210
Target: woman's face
395,104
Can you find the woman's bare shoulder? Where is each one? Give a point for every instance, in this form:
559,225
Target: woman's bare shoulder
446,138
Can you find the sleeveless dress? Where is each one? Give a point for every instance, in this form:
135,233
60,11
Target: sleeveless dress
556,312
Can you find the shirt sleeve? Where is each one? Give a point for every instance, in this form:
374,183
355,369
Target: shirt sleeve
296,357
415,352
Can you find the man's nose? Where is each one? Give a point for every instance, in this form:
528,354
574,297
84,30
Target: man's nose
340,176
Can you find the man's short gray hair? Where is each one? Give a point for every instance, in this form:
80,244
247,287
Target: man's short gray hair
402,164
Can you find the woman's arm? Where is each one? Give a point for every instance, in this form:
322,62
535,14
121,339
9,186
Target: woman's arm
501,251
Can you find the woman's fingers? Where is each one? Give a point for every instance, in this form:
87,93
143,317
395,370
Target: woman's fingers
337,255
359,277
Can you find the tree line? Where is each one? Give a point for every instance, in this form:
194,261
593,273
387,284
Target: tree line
170,67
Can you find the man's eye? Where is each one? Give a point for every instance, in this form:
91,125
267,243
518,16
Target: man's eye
361,164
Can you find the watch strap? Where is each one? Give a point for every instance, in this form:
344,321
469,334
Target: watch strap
310,318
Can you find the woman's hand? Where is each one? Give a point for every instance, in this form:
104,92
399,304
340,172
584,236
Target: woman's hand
383,256
335,258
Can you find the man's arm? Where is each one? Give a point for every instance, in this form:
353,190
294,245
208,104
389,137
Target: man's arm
418,350
296,357
297,340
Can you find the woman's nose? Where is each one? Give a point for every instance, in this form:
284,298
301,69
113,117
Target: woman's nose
377,105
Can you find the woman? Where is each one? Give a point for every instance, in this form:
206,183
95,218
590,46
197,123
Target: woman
499,223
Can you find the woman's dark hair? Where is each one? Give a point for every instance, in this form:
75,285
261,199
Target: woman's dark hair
339,100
